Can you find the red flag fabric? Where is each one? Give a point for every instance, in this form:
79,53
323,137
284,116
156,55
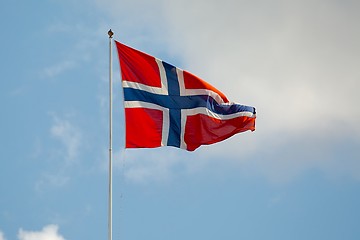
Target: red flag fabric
167,106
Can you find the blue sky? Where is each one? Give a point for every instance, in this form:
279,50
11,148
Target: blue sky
296,177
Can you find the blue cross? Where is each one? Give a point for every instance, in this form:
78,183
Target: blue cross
175,103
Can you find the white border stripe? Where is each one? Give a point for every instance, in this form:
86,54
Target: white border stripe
163,90
165,112
164,87
165,127
207,112
163,79
202,110
182,134
140,86
180,76
206,92
138,104
192,92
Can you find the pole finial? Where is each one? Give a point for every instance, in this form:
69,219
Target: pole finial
110,33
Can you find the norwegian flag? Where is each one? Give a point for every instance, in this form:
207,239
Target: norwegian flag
167,106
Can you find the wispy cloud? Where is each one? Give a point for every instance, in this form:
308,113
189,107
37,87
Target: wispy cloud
284,59
65,152
299,70
2,236
149,165
58,68
77,53
49,232
54,180
69,135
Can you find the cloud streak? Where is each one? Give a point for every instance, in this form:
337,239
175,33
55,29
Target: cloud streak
49,232
295,61
69,135
59,68
2,236
65,152
154,167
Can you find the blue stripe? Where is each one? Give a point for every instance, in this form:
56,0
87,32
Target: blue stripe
174,128
174,102
185,102
175,113
172,79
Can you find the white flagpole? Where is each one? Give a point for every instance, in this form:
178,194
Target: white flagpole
110,33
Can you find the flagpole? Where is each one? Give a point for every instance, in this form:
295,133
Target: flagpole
110,33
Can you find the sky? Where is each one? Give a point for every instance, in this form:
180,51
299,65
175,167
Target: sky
296,177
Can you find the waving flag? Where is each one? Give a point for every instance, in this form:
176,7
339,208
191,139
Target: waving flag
167,106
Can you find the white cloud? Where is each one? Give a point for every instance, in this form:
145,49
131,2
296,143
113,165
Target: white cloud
53,180
296,61
295,66
144,166
282,57
66,152
2,236
77,53
69,135
58,68
49,232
